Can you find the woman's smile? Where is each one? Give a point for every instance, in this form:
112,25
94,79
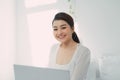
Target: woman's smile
61,36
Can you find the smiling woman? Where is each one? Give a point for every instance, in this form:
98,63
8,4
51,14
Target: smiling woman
69,54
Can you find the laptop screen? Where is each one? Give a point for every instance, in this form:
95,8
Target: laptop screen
23,72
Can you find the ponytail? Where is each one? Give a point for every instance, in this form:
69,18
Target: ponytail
75,37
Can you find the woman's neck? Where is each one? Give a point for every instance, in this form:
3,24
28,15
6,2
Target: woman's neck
68,44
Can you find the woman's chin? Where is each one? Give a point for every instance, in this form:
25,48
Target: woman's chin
62,40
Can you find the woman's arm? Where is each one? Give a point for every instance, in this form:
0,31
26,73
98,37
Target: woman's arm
81,66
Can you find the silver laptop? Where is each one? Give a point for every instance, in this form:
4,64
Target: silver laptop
23,72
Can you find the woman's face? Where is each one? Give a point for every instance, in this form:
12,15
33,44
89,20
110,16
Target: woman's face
62,31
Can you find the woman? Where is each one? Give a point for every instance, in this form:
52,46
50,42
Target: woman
69,54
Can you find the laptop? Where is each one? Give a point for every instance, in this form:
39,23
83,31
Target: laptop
23,72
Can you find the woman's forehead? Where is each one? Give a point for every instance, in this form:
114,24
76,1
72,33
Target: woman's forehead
59,23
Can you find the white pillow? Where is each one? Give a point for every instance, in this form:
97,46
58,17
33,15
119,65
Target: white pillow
110,68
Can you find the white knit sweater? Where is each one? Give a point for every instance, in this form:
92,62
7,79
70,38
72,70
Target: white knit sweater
78,66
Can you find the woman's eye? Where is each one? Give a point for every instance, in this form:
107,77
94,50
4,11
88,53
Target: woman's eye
63,27
55,29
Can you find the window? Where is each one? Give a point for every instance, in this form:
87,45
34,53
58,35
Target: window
40,29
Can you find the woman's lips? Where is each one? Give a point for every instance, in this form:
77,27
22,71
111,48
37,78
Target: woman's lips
61,36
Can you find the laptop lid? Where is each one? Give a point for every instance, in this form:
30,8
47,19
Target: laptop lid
23,72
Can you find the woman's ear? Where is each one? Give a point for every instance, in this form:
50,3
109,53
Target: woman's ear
73,29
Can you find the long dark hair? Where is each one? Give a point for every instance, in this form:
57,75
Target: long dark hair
66,17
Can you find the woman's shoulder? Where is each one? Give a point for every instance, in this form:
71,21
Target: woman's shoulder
81,46
83,49
55,45
82,53
53,50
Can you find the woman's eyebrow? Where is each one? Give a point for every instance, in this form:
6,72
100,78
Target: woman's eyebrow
54,26
60,26
63,25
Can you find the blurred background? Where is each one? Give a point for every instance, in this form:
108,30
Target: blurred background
26,33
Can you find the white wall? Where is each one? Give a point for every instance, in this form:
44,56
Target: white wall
99,28
7,39
99,25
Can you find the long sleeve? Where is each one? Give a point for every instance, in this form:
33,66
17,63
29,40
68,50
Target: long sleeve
81,66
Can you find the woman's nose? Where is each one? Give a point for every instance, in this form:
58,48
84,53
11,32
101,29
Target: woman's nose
59,32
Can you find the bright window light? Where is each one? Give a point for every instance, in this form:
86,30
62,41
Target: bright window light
34,3
41,36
